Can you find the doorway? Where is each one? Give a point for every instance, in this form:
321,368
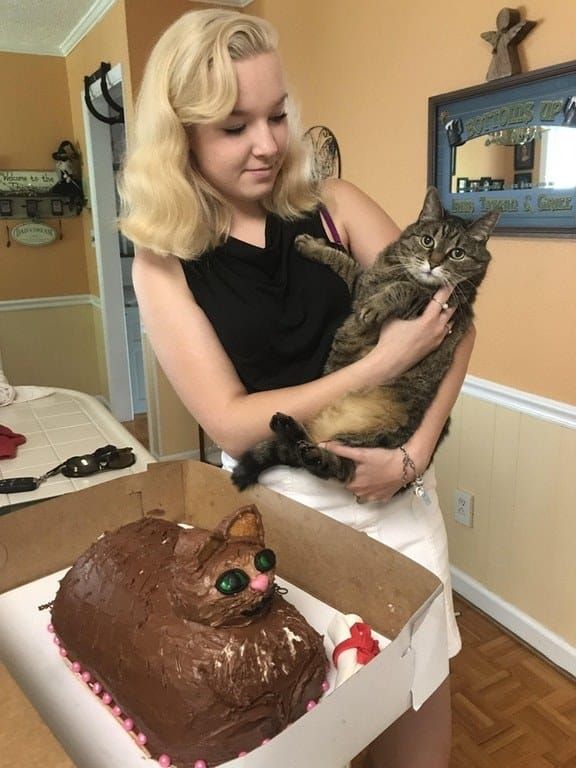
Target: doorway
105,146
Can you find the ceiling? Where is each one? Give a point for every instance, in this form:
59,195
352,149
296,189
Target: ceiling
49,27
54,27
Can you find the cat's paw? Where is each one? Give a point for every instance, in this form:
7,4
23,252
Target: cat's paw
308,245
246,472
370,314
310,455
286,428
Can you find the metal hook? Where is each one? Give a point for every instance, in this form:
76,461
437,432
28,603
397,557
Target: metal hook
100,74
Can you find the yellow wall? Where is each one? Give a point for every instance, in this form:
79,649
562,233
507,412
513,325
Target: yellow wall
36,118
107,42
366,70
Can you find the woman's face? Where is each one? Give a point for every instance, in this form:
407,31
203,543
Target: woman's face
241,155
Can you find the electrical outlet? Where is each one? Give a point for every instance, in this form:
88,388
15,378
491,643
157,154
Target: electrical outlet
464,508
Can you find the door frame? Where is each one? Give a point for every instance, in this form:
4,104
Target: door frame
103,204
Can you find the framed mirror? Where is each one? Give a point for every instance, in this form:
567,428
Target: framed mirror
509,145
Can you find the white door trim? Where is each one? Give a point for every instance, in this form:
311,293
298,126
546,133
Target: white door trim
103,202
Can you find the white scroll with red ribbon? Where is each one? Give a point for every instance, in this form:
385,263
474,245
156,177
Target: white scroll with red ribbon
354,645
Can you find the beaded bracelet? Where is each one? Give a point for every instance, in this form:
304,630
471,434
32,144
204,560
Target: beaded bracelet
417,484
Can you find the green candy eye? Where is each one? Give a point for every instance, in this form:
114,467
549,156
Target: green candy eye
427,241
265,560
232,582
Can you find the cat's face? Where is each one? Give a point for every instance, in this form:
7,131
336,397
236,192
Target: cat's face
224,577
442,250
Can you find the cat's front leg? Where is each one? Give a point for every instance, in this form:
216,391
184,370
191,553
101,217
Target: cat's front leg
319,250
394,300
325,464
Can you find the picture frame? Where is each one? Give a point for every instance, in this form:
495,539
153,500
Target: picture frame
505,118
523,180
524,156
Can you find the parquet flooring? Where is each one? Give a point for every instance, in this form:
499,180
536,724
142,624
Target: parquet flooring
511,709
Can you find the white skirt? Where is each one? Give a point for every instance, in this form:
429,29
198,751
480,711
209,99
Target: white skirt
410,524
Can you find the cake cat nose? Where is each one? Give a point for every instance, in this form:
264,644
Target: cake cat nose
260,583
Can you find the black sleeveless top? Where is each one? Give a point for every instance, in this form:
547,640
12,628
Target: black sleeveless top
274,311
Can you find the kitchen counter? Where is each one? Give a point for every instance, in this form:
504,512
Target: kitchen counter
63,424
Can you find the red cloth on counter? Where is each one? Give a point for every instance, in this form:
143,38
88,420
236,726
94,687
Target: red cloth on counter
9,442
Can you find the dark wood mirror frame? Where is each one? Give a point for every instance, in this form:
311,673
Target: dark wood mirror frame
506,112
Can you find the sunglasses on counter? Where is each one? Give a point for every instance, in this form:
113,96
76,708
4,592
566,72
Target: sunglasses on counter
102,460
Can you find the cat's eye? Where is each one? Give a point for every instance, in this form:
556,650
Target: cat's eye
265,560
233,581
427,241
457,254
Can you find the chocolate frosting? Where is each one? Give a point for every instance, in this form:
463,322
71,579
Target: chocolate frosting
203,675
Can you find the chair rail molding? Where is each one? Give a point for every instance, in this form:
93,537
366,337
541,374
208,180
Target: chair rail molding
524,402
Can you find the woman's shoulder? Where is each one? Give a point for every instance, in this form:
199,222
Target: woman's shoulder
152,271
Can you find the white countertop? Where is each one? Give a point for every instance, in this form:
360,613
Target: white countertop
63,424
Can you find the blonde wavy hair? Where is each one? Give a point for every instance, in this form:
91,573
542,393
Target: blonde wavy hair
167,205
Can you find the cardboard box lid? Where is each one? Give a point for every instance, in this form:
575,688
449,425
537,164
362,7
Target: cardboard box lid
340,566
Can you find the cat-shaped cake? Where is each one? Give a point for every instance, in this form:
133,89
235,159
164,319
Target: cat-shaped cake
185,630
437,250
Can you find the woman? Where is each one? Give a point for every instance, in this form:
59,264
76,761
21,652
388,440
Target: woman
215,189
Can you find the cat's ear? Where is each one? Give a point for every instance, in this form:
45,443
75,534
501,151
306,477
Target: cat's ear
245,523
481,229
432,209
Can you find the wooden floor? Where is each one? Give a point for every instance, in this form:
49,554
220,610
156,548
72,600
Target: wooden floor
139,428
511,709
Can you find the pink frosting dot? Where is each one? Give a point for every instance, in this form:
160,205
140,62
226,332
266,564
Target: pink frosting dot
116,710
128,724
311,704
86,676
165,761
141,738
200,764
56,640
50,628
97,688
76,666
242,754
106,698
265,741
325,685
63,652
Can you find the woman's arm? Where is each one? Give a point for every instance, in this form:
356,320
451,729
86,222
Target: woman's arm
204,378
379,471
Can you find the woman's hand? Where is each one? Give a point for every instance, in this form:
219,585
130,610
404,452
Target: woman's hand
379,471
403,343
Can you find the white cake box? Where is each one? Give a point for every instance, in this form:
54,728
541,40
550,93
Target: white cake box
331,563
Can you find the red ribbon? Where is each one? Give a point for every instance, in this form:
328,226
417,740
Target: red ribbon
361,639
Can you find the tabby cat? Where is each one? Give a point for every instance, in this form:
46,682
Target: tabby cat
437,250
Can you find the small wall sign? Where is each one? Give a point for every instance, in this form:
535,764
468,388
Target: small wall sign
33,233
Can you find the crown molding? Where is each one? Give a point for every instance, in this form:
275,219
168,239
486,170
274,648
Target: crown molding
96,12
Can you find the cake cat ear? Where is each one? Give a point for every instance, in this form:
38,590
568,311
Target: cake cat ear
481,229
432,209
245,523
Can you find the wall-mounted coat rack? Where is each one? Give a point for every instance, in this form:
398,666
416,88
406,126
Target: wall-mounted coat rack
100,75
